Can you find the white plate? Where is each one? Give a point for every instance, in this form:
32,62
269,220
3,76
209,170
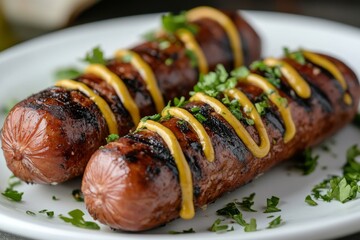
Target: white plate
29,67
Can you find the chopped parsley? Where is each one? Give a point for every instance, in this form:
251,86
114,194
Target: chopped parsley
341,188
251,226
247,203
164,44
173,22
215,82
78,195
262,106
77,219
192,57
234,107
126,58
67,73
308,162
275,223
149,36
240,72
297,56
271,205
197,114
55,198
169,61
179,102
47,212
218,227
10,193
112,137
272,74
310,201
96,55
30,213
190,230
155,117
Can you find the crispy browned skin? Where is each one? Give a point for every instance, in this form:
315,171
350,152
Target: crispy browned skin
132,184
49,137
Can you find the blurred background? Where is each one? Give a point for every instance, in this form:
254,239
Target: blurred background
21,20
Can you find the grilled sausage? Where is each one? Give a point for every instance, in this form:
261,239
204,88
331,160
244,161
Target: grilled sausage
133,183
50,136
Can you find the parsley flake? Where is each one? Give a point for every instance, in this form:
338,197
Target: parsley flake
262,106
275,223
308,163
173,22
247,203
190,230
112,138
218,227
251,226
10,193
310,201
155,117
78,195
297,56
194,62
77,219
30,213
55,198
271,205
48,213
96,55
179,102
272,74
67,73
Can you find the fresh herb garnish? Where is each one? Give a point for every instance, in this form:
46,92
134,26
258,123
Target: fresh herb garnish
297,56
271,205
78,195
308,162
215,82
112,138
310,201
351,169
179,102
173,22
192,57
240,72
77,219
272,74
8,106
218,227
169,61
247,203
262,106
30,213
234,107
164,44
47,212
190,230
155,117
251,226
197,114
10,192
126,58
96,55
149,36
275,223
55,198
67,73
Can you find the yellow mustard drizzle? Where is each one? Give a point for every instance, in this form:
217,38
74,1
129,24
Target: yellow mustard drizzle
244,101
190,43
237,126
330,67
274,97
187,206
120,88
147,74
99,101
196,125
229,27
300,86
